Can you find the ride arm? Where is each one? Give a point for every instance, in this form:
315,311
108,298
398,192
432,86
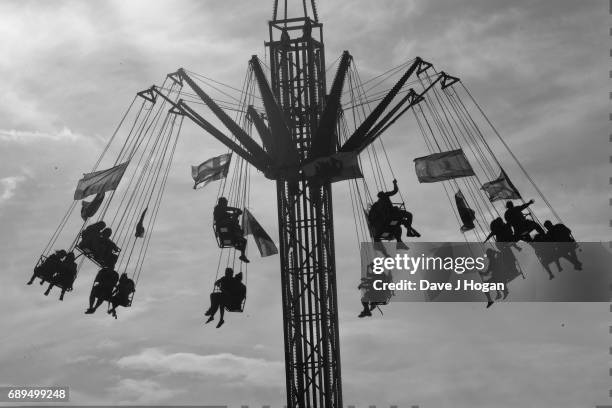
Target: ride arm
283,151
325,139
247,142
212,130
387,122
357,139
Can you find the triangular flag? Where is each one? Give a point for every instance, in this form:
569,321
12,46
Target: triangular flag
264,243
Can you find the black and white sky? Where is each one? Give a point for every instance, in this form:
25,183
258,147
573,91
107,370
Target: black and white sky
70,68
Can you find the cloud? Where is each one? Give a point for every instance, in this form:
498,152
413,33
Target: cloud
29,136
133,391
9,185
256,371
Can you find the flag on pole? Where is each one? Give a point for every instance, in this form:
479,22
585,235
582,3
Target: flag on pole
501,189
442,166
89,208
264,243
466,214
100,181
211,170
337,167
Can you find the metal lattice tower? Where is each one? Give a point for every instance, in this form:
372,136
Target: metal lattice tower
308,270
299,131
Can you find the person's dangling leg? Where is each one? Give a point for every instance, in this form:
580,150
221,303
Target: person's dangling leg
241,243
221,313
92,299
489,300
215,303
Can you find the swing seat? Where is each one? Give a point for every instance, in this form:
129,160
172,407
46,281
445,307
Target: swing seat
388,227
92,256
224,235
43,272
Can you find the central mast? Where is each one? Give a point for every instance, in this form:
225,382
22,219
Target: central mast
308,270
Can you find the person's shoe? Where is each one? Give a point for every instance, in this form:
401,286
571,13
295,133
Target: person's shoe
244,259
220,323
368,313
489,303
29,283
551,277
208,312
210,319
578,267
414,233
362,314
47,293
89,311
506,294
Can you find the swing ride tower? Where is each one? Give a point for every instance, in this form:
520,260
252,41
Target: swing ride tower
305,218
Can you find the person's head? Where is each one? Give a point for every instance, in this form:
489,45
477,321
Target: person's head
100,224
496,223
123,277
222,201
239,276
490,252
106,232
509,204
548,224
380,194
61,253
229,272
70,256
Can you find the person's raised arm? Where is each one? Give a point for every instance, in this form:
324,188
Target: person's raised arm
394,191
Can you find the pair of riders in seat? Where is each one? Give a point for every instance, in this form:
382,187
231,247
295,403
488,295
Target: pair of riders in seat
108,286
96,242
59,269
231,294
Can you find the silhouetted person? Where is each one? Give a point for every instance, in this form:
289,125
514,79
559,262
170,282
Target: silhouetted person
102,289
502,233
565,243
521,225
236,293
366,286
64,276
218,300
546,253
370,297
48,267
91,235
493,274
383,210
226,216
121,294
106,251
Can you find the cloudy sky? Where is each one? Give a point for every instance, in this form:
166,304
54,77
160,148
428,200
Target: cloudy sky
70,69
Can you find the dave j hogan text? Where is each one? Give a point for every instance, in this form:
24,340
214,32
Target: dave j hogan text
423,284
